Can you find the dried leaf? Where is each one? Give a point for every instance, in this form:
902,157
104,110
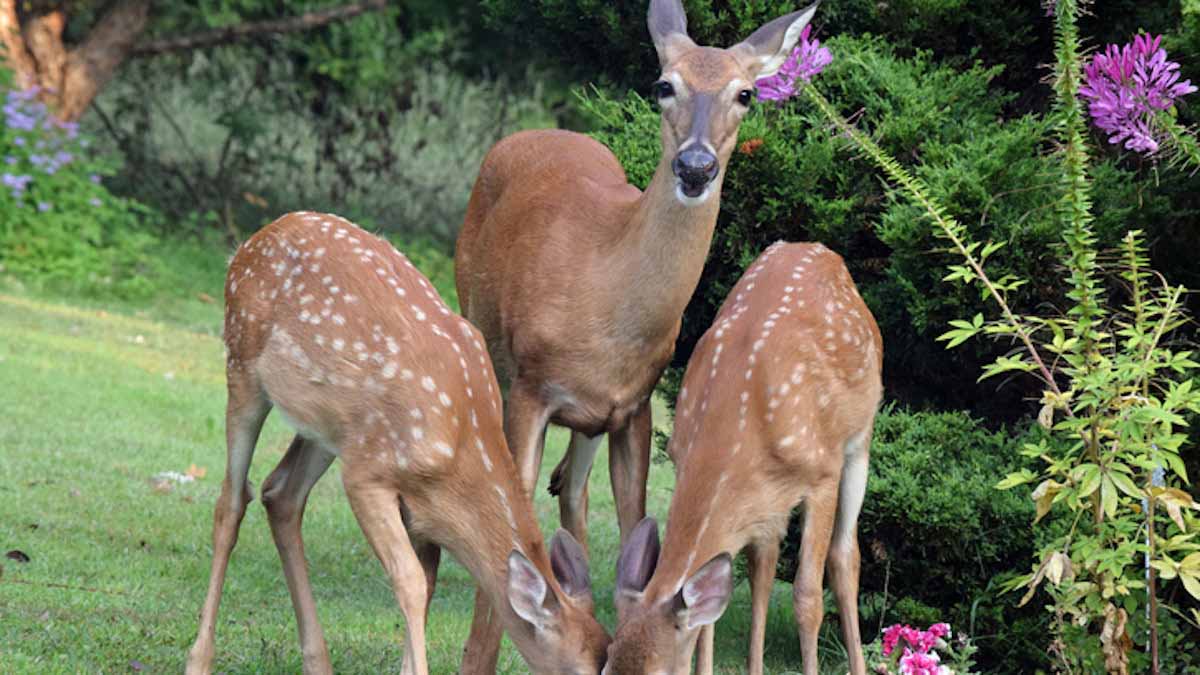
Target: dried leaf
1115,641
1043,496
196,472
19,556
1059,567
750,146
205,298
1046,416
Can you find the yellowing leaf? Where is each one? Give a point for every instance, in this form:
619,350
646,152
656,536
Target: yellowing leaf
1191,583
1043,496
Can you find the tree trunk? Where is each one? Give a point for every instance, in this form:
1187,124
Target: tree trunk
69,80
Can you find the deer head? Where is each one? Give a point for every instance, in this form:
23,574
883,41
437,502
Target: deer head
569,640
655,634
705,91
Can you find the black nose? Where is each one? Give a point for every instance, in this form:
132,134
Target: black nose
695,167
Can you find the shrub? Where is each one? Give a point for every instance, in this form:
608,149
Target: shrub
797,186
59,226
936,535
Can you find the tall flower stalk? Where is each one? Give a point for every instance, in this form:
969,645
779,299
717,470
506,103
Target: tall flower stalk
1116,392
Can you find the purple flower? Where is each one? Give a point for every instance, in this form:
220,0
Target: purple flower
95,201
95,178
1127,85
44,206
807,60
16,183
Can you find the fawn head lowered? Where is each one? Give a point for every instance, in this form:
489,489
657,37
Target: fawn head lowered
656,636
705,91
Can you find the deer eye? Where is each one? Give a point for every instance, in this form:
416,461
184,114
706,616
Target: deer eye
662,89
745,96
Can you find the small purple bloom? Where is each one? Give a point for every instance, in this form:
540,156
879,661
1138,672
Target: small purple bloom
1127,85
10,160
19,141
44,206
95,178
806,61
95,201
15,182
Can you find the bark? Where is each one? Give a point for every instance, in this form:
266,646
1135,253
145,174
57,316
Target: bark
15,55
71,78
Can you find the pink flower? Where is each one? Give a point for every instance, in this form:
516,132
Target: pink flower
940,630
807,60
1127,85
917,663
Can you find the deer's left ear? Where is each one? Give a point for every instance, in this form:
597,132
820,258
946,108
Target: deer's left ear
768,47
705,595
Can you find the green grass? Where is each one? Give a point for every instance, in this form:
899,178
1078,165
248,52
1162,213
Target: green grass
97,401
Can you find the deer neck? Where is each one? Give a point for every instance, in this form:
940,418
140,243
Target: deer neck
481,539
663,252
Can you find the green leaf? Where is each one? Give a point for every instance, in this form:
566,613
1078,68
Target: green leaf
1126,485
1012,480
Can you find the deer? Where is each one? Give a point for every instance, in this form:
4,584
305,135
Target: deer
336,330
776,409
578,280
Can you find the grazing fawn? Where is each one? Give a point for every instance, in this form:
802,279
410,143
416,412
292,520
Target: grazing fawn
578,280
776,409
339,332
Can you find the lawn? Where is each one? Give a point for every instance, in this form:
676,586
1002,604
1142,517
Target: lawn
97,402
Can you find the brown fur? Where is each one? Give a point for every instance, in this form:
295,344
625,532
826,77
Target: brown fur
337,330
778,393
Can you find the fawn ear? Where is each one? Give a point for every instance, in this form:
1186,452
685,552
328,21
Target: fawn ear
767,48
570,566
668,29
528,592
638,558
704,596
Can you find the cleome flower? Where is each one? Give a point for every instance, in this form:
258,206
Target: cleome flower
1126,86
807,60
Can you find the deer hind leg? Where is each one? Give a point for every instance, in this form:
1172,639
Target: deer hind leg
377,509
628,466
285,494
761,557
844,553
245,412
570,482
807,601
430,555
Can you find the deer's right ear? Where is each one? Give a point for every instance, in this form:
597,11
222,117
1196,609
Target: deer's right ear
528,594
639,557
668,29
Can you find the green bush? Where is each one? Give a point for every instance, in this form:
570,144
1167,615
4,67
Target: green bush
936,534
59,226
798,185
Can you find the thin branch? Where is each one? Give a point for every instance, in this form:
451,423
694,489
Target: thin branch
241,31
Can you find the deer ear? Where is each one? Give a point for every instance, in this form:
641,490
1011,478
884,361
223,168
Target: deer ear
527,591
766,50
668,29
704,596
638,558
570,565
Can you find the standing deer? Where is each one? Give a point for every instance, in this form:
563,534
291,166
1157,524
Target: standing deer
776,409
578,280
337,330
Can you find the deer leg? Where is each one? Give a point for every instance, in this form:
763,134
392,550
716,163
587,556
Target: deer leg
378,512
844,553
819,510
628,466
245,413
525,419
762,556
285,494
570,483
704,651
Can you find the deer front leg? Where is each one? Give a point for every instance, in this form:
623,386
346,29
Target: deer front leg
628,466
378,512
525,419
285,494
570,483
244,416
762,557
